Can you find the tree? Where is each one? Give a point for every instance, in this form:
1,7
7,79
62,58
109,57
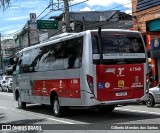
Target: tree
4,4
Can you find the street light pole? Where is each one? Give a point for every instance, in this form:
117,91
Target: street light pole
0,53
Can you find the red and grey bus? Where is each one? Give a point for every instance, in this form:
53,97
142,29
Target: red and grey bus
94,69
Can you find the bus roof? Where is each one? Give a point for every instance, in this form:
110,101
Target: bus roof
64,36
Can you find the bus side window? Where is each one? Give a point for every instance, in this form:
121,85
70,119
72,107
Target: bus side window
19,67
135,44
73,53
24,62
71,60
35,56
16,67
56,56
95,44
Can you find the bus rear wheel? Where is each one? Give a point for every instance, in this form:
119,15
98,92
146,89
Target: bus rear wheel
21,105
57,109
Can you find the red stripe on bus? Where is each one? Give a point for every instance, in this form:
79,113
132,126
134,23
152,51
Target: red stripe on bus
69,88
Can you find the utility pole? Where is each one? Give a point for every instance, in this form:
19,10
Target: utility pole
67,15
51,3
0,53
83,21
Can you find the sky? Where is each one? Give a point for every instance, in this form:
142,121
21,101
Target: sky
14,17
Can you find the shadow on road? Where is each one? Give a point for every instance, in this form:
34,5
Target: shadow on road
93,116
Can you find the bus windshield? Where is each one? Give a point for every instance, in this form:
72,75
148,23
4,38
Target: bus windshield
121,45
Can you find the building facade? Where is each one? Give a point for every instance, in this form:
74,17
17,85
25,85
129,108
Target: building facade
7,50
146,19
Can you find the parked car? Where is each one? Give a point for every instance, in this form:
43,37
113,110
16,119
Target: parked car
8,85
3,82
154,96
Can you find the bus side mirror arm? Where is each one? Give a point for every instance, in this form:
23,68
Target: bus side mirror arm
13,68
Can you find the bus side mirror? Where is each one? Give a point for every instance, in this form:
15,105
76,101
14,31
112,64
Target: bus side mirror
11,61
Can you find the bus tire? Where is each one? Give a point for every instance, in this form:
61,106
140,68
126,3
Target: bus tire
21,105
106,109
57,109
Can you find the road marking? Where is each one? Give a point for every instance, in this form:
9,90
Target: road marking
3,107
38,115
139,111
5,94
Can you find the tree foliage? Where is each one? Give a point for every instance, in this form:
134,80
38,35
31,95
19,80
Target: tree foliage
4,4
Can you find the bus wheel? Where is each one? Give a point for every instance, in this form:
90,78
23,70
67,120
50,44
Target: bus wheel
57,109
107,109
21,105
150,102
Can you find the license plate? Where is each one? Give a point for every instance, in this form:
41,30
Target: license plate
121,94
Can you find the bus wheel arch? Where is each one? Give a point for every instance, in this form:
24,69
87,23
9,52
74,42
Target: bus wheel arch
52,95
57,109
21,105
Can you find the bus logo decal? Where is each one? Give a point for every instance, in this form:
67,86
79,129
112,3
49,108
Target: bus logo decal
136,79
110,70
121,83
100,85
107,85
120,72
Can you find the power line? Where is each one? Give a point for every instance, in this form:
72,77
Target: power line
44,10
46,14
118,17
57,10
74,18
78,3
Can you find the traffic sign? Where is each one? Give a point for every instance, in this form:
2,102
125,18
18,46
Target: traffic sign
47,24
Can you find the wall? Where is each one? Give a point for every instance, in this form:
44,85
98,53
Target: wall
141,17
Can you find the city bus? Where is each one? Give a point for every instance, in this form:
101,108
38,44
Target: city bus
97,69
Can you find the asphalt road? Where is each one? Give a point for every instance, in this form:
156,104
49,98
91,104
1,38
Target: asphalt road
79,120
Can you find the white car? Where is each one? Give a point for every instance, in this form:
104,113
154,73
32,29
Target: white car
154,96
4,82
8,85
